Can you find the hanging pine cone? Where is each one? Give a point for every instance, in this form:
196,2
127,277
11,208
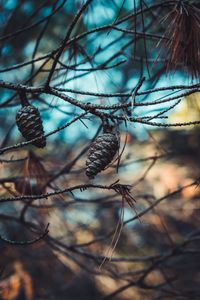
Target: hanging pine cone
30,125
101,153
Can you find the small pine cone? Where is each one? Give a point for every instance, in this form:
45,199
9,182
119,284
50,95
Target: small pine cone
101,153
30,125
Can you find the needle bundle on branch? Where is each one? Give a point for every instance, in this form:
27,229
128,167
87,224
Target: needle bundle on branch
183,38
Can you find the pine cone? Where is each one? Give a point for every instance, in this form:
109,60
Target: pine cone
30,125
101,153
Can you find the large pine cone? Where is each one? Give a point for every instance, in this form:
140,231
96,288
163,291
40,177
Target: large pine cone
30,125
101,153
